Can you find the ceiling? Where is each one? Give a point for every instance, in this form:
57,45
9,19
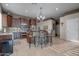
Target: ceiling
33,9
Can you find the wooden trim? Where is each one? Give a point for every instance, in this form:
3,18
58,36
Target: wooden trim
71,12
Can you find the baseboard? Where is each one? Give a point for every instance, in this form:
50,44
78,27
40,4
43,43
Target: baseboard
77,41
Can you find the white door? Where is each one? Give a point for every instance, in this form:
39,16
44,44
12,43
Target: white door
72,29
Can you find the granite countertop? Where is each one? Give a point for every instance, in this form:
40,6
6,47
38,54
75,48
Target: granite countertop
5,33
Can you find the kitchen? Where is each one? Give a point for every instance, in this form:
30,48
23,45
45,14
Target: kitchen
39,28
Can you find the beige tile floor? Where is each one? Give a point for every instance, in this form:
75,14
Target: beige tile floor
59,48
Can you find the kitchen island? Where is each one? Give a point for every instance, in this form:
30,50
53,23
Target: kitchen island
6,43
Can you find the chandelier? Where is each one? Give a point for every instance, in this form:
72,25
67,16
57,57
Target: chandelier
40,16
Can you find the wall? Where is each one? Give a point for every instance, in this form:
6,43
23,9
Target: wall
49,23
0,19
62,28
0,8
70,28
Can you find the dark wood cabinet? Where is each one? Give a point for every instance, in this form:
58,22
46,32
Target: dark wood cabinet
6,20
0,48
5,47
5,37
16,22
9,21
32,22
25,21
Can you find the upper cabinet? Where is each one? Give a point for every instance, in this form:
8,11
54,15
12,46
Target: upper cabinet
6,20
17,22
9,20
32,22
24,21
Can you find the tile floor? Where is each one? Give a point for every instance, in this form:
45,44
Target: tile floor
58,48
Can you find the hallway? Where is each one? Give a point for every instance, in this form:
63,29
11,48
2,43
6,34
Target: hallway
59,48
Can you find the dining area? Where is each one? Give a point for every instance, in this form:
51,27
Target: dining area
40,36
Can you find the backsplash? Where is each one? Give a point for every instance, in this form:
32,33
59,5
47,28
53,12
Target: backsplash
16,29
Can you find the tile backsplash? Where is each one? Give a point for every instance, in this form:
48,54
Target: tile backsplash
13,29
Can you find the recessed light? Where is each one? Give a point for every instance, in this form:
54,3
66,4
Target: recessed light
57,9
6,4
26,10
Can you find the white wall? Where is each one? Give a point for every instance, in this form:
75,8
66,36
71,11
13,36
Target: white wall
0,19
70,28
62,28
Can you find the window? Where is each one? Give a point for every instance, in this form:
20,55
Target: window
0,21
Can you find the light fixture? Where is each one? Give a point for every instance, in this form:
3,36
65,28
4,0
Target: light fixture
6,4
57,9
40,16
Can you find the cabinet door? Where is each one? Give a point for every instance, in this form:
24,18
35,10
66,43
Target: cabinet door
33,22
4,20
14,22
9,20
7,47
0,48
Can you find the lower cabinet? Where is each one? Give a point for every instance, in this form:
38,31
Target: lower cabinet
0,48
7,48
17,35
